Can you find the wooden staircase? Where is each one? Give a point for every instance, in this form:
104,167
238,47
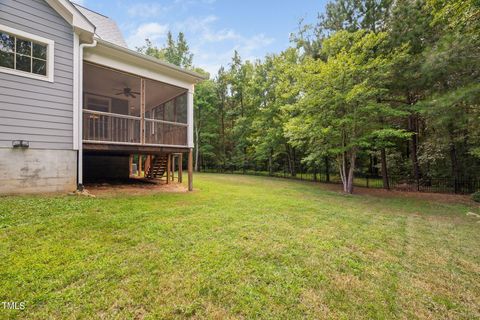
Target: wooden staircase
158,167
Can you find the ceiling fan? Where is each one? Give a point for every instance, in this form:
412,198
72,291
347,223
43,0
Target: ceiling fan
127,92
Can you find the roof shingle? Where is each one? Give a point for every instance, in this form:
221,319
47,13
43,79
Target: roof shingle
106,28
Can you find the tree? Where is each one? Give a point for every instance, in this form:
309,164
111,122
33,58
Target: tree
274,92
175,52
340,99
373,84
178,52
150,49
205,108
452,64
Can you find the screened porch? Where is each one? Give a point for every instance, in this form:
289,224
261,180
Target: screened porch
120,108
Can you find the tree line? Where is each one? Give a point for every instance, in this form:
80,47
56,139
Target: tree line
377,87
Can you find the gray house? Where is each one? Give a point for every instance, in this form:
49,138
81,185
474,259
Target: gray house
77,104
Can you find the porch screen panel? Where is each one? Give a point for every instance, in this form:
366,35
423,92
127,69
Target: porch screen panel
165,114
111,106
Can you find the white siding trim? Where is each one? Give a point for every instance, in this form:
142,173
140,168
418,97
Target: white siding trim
50,54
190,118
76,91
120,61
72,15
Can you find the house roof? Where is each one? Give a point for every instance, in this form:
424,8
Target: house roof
106,28
72,15
109,36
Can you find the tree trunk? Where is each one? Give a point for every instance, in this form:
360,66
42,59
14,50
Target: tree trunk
244,159
197,148
413,127
370,166
222,120
327,170
347,168
350,173
294,165
453,159
343,170
289,160
383,155
270,160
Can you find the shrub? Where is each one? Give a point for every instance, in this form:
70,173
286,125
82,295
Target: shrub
476,196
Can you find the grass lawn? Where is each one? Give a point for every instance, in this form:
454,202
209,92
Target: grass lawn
239,247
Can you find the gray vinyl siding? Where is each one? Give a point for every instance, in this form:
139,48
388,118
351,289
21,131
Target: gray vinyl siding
35,110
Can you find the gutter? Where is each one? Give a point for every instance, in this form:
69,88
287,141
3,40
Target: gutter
80,114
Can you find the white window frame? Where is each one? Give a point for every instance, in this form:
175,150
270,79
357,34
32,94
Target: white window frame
50,54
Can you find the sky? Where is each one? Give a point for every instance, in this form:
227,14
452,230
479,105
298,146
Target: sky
213,28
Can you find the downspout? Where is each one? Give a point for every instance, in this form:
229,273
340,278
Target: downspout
80,113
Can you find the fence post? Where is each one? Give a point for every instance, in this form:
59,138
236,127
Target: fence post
368,184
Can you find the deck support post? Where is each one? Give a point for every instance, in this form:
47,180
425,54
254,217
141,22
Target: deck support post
140,165
130,164
173,167
169,156
190,169
148,164
180,167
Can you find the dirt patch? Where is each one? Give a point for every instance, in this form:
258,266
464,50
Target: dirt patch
434,197
134,187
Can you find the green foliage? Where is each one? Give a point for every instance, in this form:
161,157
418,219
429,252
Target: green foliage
373,86
150,49
476,196
341,96
176,52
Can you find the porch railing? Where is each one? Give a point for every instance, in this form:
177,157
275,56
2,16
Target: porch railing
109,127
105,127
165,133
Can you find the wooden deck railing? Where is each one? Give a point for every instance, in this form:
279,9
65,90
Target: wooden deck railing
165,133
105,127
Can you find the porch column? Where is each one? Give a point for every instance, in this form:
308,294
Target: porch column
142,111
190,118
190,169
173,167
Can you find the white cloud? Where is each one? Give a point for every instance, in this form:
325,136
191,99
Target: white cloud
257,41
220,35
153,31
146,10
212,47
211,58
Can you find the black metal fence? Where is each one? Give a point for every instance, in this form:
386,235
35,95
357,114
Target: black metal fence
438,185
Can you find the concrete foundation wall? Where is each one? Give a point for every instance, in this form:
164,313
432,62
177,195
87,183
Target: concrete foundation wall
37,170
105,167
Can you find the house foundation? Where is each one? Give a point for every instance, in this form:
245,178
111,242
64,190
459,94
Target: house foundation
37,171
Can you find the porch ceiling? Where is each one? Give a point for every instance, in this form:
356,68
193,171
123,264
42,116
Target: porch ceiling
105,82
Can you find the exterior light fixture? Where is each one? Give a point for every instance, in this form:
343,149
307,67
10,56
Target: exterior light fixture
20,144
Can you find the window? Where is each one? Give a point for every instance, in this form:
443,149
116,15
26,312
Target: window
25,54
